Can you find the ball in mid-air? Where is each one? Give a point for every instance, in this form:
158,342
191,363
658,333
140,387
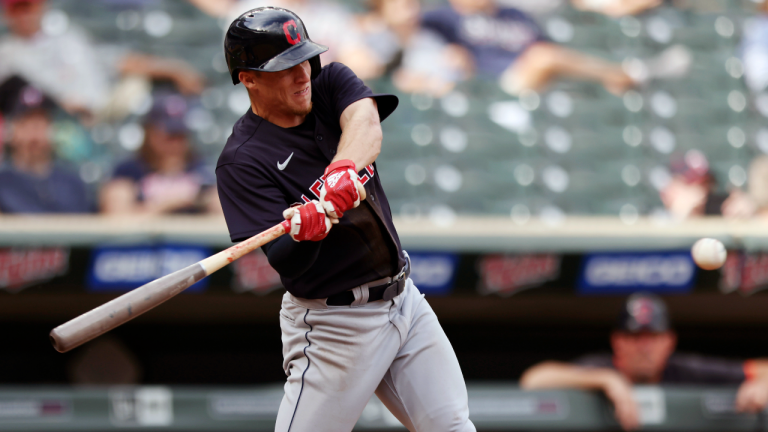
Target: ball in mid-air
709,253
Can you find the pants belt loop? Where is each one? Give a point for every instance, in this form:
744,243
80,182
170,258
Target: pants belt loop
361,295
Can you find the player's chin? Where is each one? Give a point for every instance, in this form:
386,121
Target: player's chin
302,109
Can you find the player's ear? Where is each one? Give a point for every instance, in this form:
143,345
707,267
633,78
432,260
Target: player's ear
248,78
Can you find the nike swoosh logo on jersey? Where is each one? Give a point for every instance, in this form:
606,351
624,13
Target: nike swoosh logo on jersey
281,166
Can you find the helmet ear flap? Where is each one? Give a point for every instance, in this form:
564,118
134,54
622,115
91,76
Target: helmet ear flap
314,63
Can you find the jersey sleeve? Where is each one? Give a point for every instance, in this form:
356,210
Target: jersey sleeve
695,369
338,87
599,360
250,202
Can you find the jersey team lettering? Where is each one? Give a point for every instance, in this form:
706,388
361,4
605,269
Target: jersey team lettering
315,188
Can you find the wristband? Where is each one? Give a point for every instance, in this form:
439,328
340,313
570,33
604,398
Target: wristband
344,163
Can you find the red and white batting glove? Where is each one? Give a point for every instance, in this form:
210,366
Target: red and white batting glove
307,222
342,189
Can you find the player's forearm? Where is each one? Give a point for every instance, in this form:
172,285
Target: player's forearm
573,64
361,134
563,375
756,369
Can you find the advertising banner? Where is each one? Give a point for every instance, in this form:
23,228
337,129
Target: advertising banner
624,273
124,268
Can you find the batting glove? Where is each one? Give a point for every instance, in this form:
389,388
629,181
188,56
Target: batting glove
308,222
342,189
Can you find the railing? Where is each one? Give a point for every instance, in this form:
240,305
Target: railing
492,407
465,234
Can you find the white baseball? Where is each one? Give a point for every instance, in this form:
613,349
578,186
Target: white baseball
709,253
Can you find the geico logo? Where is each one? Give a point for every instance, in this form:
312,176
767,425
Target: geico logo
431,271
650,270
141,265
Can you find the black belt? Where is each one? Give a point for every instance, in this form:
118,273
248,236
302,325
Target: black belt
385,291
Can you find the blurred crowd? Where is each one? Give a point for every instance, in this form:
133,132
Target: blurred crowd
46,75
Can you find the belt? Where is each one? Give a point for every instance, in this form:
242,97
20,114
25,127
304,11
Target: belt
382,289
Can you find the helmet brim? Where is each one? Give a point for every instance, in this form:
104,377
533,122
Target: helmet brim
291,57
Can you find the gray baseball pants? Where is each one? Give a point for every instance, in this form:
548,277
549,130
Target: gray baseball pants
337,357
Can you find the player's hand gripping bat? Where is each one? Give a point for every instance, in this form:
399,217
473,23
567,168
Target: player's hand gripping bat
104,318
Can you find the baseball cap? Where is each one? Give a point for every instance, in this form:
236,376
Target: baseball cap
31,99
168,113
643,312
693,166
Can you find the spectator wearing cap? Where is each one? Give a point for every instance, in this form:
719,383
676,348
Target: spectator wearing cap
644,353
32,182
506,43
692,190
165,177
66,65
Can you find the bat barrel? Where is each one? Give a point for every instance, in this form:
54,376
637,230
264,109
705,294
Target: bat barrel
134,303
124,308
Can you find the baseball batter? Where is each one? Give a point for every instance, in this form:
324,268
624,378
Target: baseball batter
353,324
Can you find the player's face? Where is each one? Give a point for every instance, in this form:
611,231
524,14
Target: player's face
284,93
30,139
166,145
24,17
642,357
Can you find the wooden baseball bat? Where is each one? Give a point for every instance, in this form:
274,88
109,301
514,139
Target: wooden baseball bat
128,306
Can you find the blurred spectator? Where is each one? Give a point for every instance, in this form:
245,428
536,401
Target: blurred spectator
165,177
418,59
644,353
506,43
66,66
754,201
31,182
327,22
616,8
692,191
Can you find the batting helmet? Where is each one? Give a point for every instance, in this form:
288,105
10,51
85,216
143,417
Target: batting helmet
269,39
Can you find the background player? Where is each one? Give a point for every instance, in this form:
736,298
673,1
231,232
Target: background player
352,322
643,353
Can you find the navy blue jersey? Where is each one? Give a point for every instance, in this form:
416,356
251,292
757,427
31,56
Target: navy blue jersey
684,368
265,168
60,191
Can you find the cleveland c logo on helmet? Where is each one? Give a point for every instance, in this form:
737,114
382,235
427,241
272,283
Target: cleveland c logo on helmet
287,29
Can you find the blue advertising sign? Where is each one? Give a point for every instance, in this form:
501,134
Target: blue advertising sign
123,268
625,273
433,273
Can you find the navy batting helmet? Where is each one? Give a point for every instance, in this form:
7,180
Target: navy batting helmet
269,39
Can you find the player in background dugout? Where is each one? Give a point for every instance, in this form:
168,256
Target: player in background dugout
644,353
